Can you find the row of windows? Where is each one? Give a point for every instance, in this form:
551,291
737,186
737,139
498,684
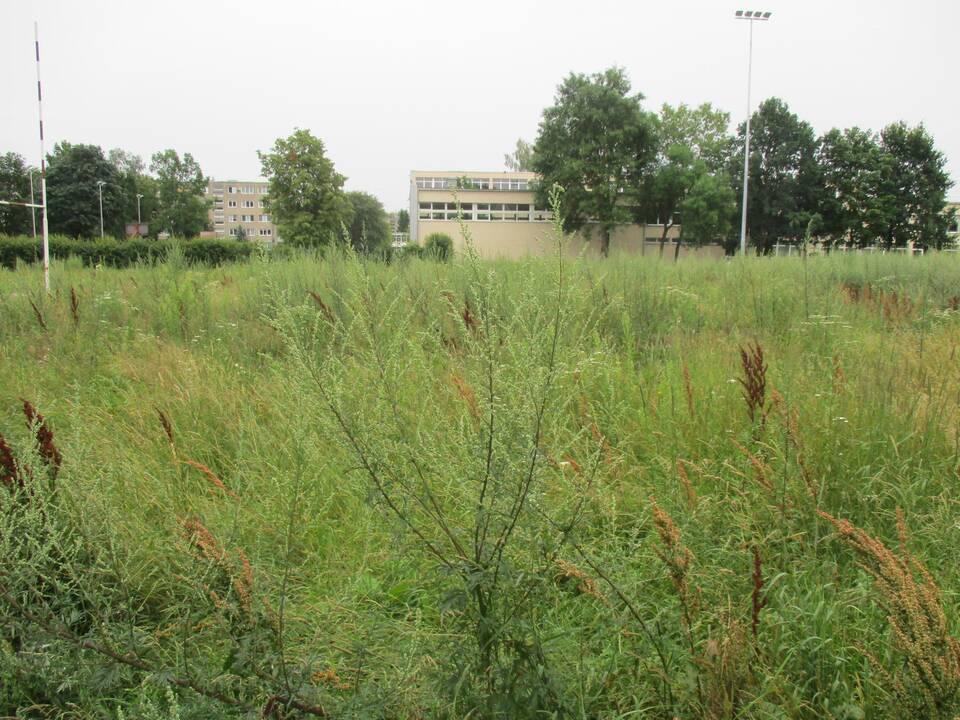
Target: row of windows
218,218
514,212
452,183
246,190
245,203
264,232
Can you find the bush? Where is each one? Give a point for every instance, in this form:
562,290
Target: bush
121,253
438,246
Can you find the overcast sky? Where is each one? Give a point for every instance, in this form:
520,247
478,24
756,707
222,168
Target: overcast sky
396,86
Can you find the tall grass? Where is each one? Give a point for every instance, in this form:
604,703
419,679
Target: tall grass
305,486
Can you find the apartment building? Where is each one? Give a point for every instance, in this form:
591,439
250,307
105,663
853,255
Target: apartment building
504,219
237,208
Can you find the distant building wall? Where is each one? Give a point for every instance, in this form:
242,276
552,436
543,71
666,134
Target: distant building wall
500,212
236,204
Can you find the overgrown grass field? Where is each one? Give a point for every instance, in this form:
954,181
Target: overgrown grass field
555,488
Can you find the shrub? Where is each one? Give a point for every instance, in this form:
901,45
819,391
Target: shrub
438,246
121,253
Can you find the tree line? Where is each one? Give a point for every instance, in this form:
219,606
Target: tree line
306,195
619,164
171,193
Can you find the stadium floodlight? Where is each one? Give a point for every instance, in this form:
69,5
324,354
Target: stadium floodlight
100,184
750,15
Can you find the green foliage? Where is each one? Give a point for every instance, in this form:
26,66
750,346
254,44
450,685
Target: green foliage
521,159
306,198
703,129
728,599
595,142
887,189
369,226
15,187
707,210
73,198
136,182
914,188
403,221
180,187
438,246
120,253
784,175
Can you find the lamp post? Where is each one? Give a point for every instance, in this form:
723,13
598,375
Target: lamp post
138,211
100,184
751,15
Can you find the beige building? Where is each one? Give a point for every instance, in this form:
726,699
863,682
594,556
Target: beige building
502,216
237,205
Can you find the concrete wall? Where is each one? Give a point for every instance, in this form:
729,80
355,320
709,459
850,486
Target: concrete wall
523,239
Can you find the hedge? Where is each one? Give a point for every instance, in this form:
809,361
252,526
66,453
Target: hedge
121,253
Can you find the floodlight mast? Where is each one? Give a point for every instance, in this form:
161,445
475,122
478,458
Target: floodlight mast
43,167
750,15
100,184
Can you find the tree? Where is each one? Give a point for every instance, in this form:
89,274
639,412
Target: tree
369,228
403,221
181,205
15,187
913,187
669,184
784,176
136,182
707,210
703,129
520,160
887,188
305,198
594,142
691,142
73,198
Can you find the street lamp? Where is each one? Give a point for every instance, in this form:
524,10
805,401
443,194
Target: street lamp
750,15
100,184
138,211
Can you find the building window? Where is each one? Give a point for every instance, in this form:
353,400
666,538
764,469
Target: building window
264,218
233,218
231,189
231,203
266,232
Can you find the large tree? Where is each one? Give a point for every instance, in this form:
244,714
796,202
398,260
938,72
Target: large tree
306,198
369,227
136,181
15,187
851,208
73,199
706,211
180,188
914,185
594,142
704,129
691,143
784,175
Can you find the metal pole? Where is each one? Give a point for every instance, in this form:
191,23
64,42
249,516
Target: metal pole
138,212
43,168
100,188
746,153
33,210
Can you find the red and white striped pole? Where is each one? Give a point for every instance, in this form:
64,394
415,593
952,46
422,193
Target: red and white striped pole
43,168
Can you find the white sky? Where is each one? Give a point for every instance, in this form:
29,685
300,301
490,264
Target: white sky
396,86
